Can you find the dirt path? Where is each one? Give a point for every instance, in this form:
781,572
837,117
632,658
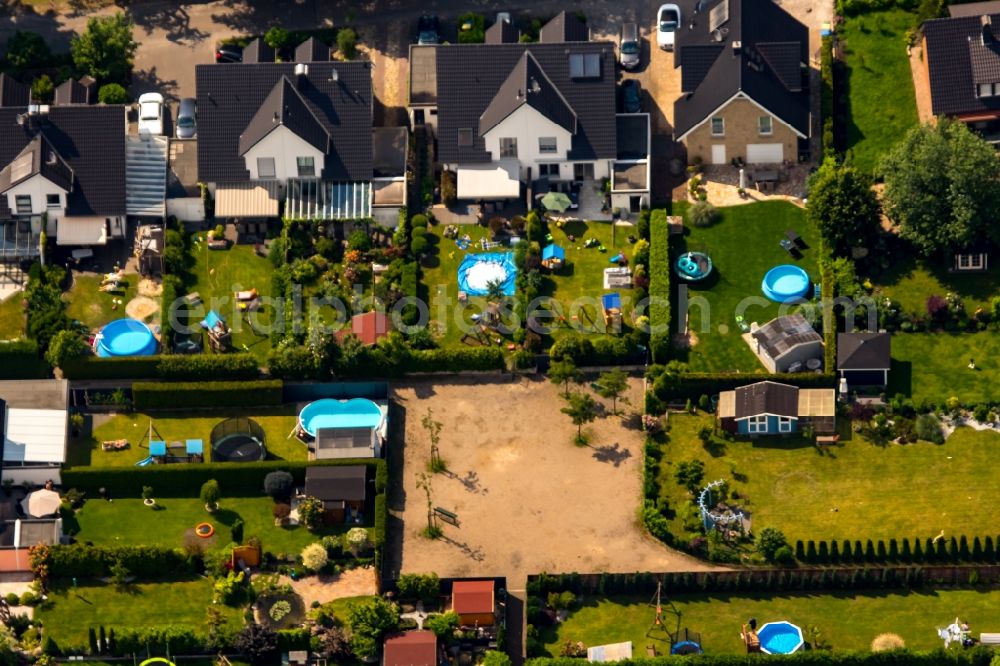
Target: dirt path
351,583
921,85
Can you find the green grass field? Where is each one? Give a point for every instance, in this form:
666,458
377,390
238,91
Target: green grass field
221,273
127,521
95,308
881,101
912,283
743,246
12,317
181,603
856,491
845,620
934,366
179,426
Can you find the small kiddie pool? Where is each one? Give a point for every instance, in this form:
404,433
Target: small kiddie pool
779,637
785,283
330,413
125,337
477,271
693,266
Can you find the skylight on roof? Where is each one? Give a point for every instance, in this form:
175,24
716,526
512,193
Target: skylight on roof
21,167
718,16
584,65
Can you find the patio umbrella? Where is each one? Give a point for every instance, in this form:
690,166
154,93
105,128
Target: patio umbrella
41,503
556,201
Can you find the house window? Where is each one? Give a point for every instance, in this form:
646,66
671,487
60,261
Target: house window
548,170
718,126
764,125
970,262
757,424
265,167
784,424
508,147
464,138
987,89
52,201
547,144
306,166
22,202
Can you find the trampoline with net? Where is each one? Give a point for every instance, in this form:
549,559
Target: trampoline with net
238,440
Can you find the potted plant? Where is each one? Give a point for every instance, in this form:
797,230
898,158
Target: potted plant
76,423
147,496
210,495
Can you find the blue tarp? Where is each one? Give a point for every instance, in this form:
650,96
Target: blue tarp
612,301
553,252
194,447
478,270
211,319
157,448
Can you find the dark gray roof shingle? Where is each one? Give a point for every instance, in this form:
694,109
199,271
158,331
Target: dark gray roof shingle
229,96
336,483
864,351
13,92
284,107
767,398
955,57
71,91
258,51
528,84
38,157
633,140
564,27
502,32
312,50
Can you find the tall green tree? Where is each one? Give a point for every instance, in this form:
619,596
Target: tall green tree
843,207
106,49
611,385
27,50
369,622
942,188
563,372
582,409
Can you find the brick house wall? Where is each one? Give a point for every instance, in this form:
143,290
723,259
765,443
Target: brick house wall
741,128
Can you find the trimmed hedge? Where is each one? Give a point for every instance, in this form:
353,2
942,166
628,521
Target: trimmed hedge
173,395
381,516
83,561
235,479
454,360
19,360
826,96
659,285
978,656
829,321
176,367
671,387
92,367
954,550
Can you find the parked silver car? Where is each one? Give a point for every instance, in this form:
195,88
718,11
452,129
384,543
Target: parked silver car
187,119
629,48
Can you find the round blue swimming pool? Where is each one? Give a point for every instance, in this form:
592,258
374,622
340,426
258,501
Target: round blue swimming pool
785,283
125,337
330,413
779,638
693,266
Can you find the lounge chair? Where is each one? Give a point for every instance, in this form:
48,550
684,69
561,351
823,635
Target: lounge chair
246,295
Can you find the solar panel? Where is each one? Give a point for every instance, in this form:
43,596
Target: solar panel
576,65
584,65
718,16
21,167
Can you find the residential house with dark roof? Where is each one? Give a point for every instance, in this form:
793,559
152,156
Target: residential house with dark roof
511,117
342,489
744,83
62,170
411,648
787,344
295,137
772,408
864,358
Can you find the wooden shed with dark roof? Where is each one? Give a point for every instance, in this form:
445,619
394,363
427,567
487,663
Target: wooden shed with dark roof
864,358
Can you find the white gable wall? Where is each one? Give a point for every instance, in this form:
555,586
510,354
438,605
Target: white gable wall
284,146
37,187
528,125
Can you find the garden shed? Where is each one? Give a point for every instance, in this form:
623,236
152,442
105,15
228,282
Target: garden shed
342,489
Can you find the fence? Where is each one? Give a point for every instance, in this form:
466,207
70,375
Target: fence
239,425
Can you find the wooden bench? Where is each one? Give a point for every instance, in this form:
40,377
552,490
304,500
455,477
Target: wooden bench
447,516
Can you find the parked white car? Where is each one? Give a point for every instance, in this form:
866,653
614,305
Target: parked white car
668,21
151,114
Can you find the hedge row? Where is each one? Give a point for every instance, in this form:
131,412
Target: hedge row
829,320
453,360
671,387
19,360
975,657
235,479
381,516
588,351
175,367
928,550
826,95
83,561
659,285
176,395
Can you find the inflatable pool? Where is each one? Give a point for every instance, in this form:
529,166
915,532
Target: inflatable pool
477,271
125,337
785,283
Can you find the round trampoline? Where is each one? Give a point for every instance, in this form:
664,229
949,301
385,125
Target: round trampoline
685,647
125,337
330,413
785,283
780,637
693,266
238,440
478,271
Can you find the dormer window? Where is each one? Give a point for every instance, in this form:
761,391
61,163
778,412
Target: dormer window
465,137
988,90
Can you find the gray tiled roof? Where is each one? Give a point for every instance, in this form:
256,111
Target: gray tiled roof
954,56
528,84
13,92
89,140
564,27
229,96
502,32
312,50
470,75
41,158
767,398
285,107
766,67
863,351
70,91
258,51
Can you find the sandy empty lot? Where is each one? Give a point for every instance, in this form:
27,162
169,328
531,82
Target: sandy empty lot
527,498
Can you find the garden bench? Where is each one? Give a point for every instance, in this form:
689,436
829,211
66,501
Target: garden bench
793,237
989,639
447,516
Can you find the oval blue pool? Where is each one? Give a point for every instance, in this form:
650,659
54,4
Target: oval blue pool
330,413
785,283
125,337
779,637
693,266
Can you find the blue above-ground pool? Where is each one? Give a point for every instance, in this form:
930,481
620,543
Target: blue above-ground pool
779,637
693,266
477,271
785,283
125,337
330,413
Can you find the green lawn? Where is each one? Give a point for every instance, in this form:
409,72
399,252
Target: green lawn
934,366
95,308
221,273
743,246
179,426
70,612
856,491
845,620
127,521
912,283
881,102
12,317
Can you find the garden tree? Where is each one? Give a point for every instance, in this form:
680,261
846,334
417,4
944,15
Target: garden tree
311,512
582,410
494,292
357,540
27,50
495,658
278,485
421,586
611,385
369,622
65,346
424,483
443,625
106,49
769,540
210,494
843,207
336,645
359,240
119,574
942,188
277,37
690,474
314,556
347,43
563,372
257,642
433,429
42,89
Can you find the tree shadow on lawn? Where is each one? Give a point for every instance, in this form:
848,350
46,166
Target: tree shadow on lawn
226,516
900,378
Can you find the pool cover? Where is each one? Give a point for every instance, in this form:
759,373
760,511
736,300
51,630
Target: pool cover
477,271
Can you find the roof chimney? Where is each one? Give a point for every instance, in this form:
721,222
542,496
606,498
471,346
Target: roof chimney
301,69
90,85
737,47
987,26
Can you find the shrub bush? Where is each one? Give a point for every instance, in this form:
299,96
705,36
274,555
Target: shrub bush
449,189
347,41
112,93
19,360
702,214
659,286
476,34
83,561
